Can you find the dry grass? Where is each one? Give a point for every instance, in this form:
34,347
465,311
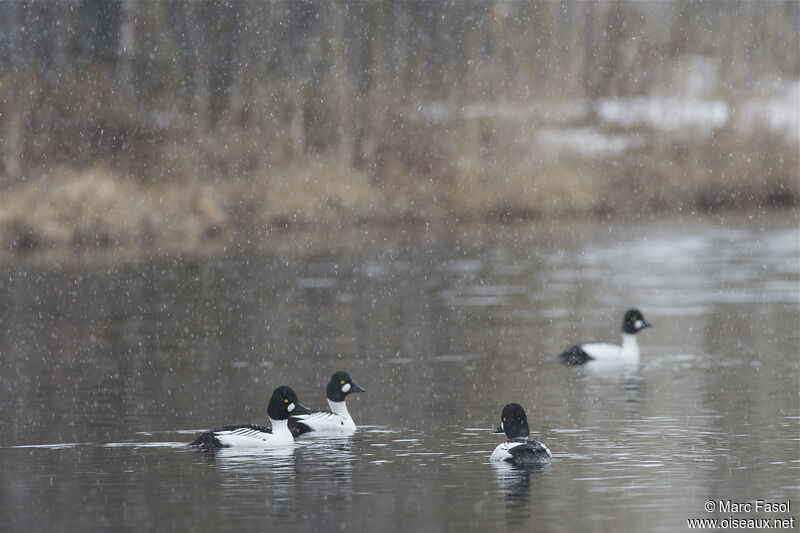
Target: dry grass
731,172
315,190
102,209
98,209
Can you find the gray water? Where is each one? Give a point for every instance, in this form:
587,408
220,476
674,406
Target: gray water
106,371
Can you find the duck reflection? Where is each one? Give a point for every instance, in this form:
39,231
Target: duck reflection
235,458
515,484
312,479
247,473
632,386
605,380
325,475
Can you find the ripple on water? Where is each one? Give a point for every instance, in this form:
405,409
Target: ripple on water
53,446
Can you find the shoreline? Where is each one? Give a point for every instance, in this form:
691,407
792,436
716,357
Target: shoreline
346,235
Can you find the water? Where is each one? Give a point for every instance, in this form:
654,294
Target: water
106,371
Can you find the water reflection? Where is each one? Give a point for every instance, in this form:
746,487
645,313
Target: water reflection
627,377
251,459
514,482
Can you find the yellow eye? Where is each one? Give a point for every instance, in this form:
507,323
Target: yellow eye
286,400
342,382
504,420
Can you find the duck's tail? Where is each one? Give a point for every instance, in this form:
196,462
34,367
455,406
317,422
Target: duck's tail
208,441
575,356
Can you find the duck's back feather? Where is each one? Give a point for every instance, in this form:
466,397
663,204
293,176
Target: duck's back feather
209,440
522,452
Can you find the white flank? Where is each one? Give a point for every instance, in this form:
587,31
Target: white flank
501,453
253,438
605,351
337,421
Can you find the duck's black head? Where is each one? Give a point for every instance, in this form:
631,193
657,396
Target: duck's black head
284,404
513,422
634,322
340,385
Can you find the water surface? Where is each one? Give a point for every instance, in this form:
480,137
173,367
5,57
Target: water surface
106,371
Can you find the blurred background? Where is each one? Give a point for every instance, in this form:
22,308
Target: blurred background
174,126
200,201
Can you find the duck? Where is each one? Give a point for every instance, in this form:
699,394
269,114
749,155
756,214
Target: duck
282,405
632,323
518,449
338,419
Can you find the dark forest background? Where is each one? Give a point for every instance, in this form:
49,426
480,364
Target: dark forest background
144,123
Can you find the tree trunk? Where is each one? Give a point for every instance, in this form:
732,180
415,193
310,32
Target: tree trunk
126,49
14,124
343,85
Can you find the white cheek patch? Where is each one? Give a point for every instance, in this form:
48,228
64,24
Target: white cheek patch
346,387
290,407
502,426
638,324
